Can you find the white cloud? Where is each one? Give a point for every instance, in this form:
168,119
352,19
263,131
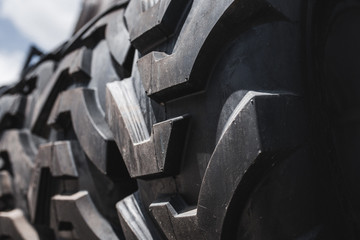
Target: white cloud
47,23
10,66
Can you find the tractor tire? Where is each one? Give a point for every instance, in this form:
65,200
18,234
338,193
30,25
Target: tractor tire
189,119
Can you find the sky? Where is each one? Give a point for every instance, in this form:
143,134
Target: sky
43,23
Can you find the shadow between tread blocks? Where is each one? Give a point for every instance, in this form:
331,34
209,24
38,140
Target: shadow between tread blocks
165,119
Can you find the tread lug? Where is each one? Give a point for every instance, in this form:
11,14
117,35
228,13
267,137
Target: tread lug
76,216
144,154
14,224
84,111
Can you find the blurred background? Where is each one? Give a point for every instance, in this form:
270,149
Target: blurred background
43,23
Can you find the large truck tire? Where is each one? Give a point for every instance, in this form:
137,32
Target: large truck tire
188,119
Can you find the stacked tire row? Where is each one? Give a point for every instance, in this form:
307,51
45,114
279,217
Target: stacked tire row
170,120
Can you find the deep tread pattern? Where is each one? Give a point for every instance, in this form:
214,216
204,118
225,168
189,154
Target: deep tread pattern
6,191
133,221
166,75
176,224
59,159
77,40
257,116
76,217
13,224
5,184
95,32
80,70
68,173
12,110
90,127
102,72
58,82
35,82
91,10
159,21
66,167
40,76
117,37
96,115
144,155
19,149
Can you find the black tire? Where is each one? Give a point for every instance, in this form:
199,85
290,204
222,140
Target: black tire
210,123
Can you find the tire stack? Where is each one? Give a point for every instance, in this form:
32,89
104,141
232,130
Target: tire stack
167,119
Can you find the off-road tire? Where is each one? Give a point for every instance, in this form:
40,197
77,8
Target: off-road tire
187,119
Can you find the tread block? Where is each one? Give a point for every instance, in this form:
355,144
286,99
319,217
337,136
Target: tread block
41,74
102,71
132,219
94,34
35,82
89,125
176,224
262,126
90,11
6,191
13,224
57,83
143,154
92,30
11,110
58,157
158,21
6,187
19,150
80,69
167,75
117,37
76,217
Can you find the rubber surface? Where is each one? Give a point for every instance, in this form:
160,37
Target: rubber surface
166,119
